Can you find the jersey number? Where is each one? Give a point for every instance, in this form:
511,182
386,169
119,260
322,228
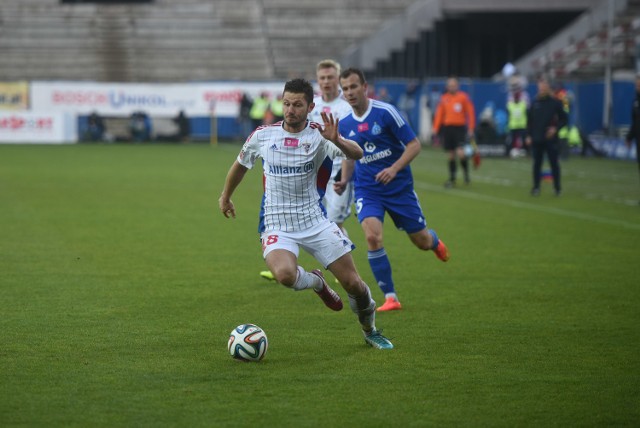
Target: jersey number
271,239
359,205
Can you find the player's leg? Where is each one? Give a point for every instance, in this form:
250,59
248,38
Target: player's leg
379,262
554,154
538,155
268,275
449,143
280,252
338,206
407,215
360,301
427,239
461,140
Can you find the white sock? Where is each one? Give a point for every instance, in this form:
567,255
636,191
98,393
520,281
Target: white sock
387,295
306,280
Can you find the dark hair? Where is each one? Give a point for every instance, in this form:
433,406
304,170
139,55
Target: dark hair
351,70
300,86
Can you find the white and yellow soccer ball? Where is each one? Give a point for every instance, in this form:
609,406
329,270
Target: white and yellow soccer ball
248,342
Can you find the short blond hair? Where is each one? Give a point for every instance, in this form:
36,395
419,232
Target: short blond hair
328,63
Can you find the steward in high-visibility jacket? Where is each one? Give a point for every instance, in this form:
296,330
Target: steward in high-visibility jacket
517,110
259,109
517,114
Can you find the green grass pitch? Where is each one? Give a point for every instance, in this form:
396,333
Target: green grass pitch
120,282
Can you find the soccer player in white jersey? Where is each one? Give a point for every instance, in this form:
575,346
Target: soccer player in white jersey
338,206
292,153
383,179
327,74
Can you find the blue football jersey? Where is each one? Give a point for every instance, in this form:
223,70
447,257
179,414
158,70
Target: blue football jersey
383,134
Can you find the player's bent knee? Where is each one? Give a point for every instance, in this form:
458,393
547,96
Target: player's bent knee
353,285
422,240
374,242
286,277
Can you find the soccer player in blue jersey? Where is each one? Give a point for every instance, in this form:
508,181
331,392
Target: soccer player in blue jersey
383,179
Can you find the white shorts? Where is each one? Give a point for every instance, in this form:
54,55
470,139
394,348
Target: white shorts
325,242
338,206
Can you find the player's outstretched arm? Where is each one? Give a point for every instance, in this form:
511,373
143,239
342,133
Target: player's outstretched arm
234,177
330,131
345,176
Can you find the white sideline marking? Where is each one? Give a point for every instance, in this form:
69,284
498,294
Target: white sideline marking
529,206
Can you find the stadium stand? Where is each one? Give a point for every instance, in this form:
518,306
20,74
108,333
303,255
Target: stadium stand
181,40
163,41
192,40
581,49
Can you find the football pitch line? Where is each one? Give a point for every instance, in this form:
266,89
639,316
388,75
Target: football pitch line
529,206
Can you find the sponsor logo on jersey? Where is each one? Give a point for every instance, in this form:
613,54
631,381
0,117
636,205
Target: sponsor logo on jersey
369,147
274,147
362,127
326,109
376,156
290,170
376,129
291,142
352,134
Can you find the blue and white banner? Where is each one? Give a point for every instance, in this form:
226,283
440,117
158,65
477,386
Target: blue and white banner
613,147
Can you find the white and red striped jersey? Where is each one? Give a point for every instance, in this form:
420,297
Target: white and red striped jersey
296,168
339,108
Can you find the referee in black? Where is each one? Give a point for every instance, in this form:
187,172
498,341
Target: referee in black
545,117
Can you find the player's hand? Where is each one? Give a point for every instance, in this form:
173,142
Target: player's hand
551,132
330,129
339,187
386,176
226,207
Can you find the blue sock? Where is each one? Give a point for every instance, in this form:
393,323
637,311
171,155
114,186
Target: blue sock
381,269
436,241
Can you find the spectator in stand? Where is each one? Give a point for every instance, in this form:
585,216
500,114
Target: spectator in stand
140,127
456,120
407,102
184,127
383,95
95,127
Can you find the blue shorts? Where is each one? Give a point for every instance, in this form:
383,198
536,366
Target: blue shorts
404,209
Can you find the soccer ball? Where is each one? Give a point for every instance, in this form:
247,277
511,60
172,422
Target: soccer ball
248,342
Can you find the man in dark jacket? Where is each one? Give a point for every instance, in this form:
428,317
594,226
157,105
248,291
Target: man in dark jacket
544,118
634,131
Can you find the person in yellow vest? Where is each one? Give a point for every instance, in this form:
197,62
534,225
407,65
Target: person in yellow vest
565,98
277,109
517,110
259,109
